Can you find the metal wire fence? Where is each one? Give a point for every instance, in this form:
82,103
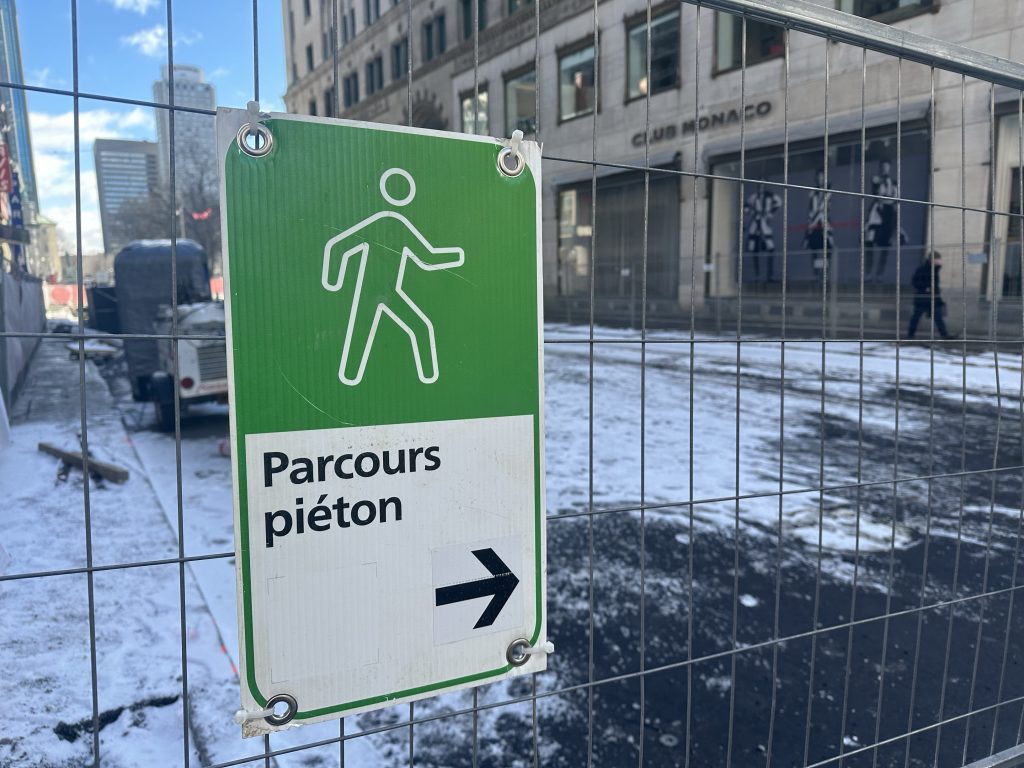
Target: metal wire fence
846,595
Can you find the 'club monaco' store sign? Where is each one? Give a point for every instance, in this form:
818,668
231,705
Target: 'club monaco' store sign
704,123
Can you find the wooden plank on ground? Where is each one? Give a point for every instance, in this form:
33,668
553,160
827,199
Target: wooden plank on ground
104,469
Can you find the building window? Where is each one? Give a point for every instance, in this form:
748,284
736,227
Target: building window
515,5
764,41
295,72
344,29
371,9
467,17
433,37
618,266
291,25
576,95
309,57
428,40
475,121
664,55
306,9
312,107
350,89
521,103
399,59
1012,283
887,10
329,102
374,75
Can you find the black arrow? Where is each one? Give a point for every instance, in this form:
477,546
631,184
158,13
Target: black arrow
501,585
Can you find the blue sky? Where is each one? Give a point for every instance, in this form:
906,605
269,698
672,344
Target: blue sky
122,44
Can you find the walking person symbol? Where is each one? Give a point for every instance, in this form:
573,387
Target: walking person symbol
378,249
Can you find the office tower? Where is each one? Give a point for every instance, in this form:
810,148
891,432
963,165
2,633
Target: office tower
126,178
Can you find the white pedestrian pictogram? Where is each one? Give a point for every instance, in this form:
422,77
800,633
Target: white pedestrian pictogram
378,289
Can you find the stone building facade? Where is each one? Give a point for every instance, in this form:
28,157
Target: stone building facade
821,138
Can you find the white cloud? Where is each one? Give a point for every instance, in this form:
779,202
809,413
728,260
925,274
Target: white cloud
53,147
148,42
55,132
153,41
92,231
44,77
139,6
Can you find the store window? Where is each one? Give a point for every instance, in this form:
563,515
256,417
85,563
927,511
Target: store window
887,10
475,120
1012,267
467,17
521,103
764,41
618,264
827,224
664,55
576,94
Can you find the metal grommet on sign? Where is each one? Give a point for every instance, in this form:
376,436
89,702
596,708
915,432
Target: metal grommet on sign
255,139
518,652
510,163
284,719
510,159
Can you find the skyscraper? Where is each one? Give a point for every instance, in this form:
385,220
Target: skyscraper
126,172
195,142
14,107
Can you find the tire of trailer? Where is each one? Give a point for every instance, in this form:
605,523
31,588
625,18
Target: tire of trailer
161,390
164,415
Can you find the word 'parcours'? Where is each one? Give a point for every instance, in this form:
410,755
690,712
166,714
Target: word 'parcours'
346,466
325,514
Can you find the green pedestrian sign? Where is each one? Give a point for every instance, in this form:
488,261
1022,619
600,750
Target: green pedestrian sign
385,364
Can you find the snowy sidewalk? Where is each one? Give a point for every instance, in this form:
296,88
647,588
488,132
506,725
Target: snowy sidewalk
44,634
45,640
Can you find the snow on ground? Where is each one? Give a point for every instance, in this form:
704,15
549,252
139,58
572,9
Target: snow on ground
642,452
45,648
206,495
718,468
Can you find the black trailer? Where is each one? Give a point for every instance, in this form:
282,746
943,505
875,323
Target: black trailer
142,273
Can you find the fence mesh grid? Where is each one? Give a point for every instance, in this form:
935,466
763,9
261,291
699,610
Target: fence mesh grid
725,627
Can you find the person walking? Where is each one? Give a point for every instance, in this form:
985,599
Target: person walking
928,295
